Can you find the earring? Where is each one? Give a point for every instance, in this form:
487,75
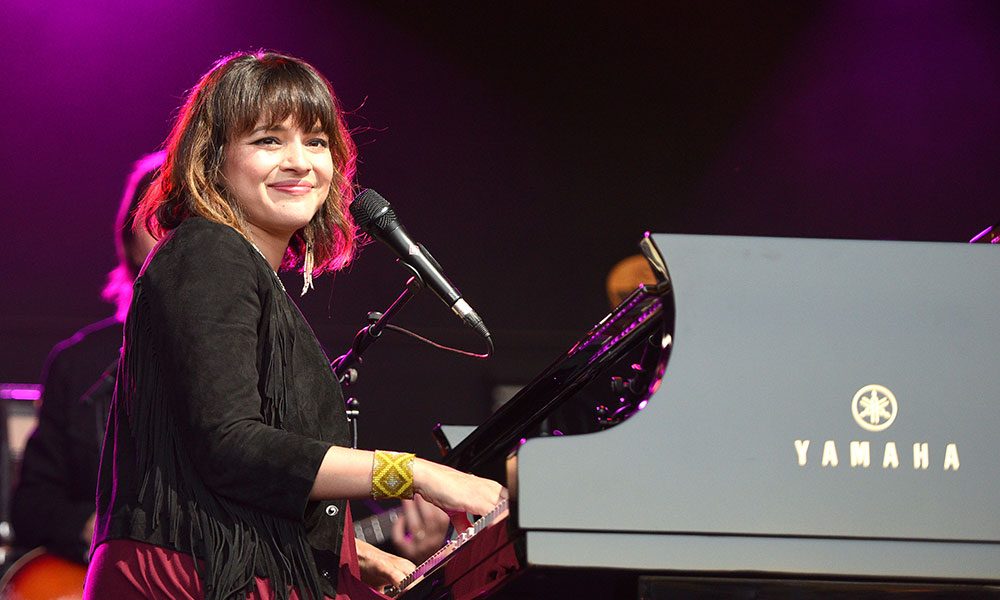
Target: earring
307,270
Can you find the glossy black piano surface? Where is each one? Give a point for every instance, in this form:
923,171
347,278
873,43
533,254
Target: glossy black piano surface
825,427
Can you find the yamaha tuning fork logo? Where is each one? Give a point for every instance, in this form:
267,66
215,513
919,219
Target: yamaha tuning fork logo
874,408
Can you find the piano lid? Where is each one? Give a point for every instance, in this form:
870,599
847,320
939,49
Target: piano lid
817,390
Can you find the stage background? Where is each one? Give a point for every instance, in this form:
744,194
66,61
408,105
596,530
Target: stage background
529,147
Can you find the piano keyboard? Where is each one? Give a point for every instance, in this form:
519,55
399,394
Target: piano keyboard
499,511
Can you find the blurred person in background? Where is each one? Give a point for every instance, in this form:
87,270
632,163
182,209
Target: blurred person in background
53,502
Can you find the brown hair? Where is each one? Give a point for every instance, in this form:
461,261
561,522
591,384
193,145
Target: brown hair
238,92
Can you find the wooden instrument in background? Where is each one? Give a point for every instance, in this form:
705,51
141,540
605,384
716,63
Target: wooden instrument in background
40,575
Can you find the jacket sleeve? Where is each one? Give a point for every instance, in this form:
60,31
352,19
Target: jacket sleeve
43,509
204,301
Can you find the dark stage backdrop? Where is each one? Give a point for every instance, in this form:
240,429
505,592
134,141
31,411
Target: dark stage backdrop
528,147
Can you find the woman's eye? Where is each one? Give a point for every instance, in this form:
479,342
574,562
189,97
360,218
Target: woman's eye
266,141
319,142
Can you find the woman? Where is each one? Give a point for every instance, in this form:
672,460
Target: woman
227,438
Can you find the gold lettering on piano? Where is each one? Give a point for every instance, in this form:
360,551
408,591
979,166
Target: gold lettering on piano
861,454
860,451
801,448
890,458
830,454
921,456
951,457
874,408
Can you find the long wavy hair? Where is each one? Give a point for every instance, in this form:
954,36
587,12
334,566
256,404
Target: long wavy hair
238,92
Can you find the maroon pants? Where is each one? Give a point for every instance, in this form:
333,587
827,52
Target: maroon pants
126,569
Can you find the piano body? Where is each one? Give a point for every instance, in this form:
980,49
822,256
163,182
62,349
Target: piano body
822,420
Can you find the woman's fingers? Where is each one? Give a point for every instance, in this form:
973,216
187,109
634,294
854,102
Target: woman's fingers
414,521
380,568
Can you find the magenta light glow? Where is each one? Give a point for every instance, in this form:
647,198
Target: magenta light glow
20,391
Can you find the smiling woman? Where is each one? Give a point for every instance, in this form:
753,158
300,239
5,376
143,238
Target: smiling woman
249,102
280,176
226,467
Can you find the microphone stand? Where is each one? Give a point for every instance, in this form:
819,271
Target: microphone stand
343,366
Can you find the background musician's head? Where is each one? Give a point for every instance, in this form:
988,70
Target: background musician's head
132,244
627,274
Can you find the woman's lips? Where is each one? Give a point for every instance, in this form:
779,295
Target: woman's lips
296,188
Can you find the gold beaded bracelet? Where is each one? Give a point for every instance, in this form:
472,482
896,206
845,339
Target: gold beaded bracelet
392,475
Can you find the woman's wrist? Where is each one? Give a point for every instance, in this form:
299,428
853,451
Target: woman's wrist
392,474
419,473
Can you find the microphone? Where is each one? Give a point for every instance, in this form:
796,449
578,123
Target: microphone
375,216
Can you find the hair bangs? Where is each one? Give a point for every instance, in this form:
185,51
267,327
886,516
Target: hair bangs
280,91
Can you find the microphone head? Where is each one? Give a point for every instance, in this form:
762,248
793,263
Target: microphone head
372,212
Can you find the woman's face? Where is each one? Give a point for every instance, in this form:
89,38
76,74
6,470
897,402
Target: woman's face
280,175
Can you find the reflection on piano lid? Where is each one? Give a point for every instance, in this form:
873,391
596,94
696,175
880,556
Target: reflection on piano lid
826,427
644,318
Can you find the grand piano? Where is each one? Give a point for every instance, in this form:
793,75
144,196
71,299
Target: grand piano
804,418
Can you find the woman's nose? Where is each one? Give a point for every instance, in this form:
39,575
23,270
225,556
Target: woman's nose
294,158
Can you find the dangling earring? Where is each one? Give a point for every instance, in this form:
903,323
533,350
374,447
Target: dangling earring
307,269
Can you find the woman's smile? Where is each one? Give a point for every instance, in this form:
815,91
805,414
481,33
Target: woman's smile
292,187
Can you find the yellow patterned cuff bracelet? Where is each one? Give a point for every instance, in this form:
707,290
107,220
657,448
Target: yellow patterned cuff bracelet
392,475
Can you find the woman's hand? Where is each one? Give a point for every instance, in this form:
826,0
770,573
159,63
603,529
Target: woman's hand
378,568
421,530
455,492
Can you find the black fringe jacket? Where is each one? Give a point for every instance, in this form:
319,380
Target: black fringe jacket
224,407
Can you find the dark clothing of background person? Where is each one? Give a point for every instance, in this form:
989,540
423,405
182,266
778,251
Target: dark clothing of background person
54,496
225,407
